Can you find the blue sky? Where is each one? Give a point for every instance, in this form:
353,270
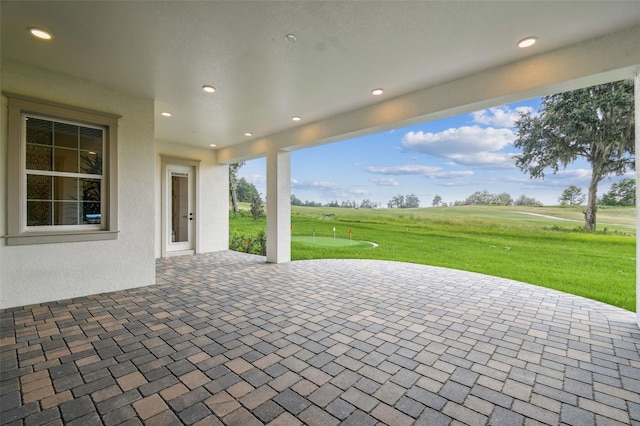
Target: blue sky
452,157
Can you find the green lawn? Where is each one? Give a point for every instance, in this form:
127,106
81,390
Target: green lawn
500,241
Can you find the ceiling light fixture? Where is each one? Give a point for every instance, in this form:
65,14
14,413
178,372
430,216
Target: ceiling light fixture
248,134
40,33
296,118
377,92
208,88
527,42
165,114
212,145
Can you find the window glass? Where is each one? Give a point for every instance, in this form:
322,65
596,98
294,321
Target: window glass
39,187
39,157
65,160
59,156
66,188
65,213
39,213
66,135
91,139
39,131
91,162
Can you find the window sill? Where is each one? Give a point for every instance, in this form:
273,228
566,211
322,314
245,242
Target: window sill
66,237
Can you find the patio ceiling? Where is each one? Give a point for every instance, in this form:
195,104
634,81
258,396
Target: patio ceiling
342,50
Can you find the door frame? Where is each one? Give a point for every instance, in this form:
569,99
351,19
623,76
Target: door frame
166,164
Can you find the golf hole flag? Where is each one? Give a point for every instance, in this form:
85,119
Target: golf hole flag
349,231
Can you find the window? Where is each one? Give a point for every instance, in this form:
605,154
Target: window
62,170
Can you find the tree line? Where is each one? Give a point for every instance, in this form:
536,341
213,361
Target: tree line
621,193
485,198
347,204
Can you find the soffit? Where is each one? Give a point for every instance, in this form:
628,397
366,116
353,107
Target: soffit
167,50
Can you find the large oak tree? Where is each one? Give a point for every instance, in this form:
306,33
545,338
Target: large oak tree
596,124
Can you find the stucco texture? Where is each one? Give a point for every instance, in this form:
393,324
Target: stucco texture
37,273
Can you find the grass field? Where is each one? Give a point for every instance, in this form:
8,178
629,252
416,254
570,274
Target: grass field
329,242
539,245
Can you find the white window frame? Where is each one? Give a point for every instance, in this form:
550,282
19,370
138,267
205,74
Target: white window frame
18,232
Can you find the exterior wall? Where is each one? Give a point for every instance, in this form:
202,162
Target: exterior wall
637,131
212,231
38,273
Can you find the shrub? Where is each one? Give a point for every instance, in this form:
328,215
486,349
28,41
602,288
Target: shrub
253,244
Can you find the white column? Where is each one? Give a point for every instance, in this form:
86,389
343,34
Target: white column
278,206
637,130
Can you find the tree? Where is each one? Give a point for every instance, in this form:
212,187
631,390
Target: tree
411,202
233,185
502,199
295,201
402,202
245,191
397,201
572,196
257,208
523,200
622,193
595,124
437,200
367,204
480,198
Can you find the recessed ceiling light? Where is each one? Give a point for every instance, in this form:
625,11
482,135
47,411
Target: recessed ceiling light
296,118
212,145
377,92
208,88
40,33
248,134
527,42
291,38
166,114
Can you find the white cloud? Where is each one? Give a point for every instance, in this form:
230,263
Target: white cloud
315,184
408,169
461,140
455,174
472,146
328,189
496,160
499,116
420,170
576,174
388,181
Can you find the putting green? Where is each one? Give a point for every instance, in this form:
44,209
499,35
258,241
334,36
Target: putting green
330,241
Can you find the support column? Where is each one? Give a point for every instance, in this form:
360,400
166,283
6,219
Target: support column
637,134
278,206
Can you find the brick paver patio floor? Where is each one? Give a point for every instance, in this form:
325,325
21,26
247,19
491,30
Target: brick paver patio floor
224,338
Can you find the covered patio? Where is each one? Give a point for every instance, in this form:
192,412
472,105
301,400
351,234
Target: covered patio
223,338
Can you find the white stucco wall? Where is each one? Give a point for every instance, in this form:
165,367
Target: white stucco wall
39,273
212,197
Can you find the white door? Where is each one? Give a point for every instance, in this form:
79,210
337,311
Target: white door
181,209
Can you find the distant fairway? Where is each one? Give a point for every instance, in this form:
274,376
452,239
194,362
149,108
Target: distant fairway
330,242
